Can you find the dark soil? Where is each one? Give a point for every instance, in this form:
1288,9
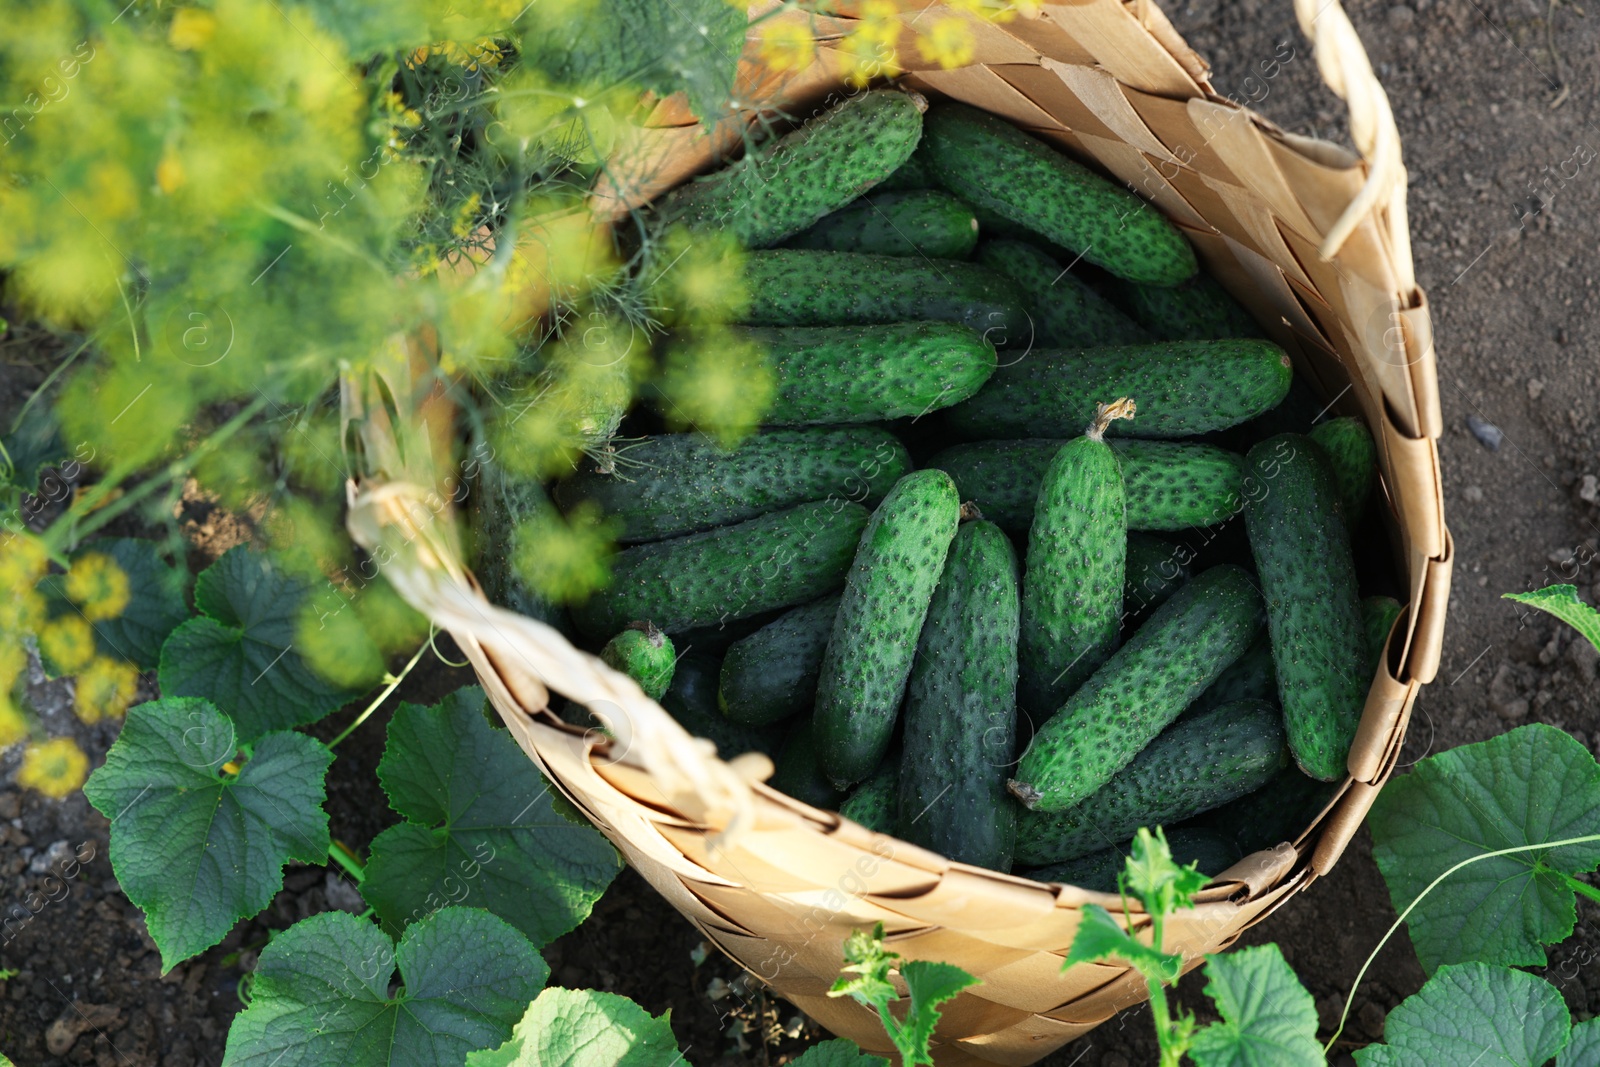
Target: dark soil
1491,98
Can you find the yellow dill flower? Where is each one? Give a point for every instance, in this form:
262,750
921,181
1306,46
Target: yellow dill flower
170,174
869,53
105,688
191,28
13,661
13,724
55,767
23,561
947,42
22,612
465,215
68,642
788,46
97,585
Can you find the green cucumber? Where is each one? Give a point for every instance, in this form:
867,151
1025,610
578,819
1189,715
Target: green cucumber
1199,764
1250,677
960,713
990,163
1142,688
1353,459
682,483
1182,388
913,174
1378,614
1301,546
1155,569
644,654
799,774
501,503
911,223
1077,553
1198,310
797,287
872,802
874,639
772,674
1277,812
1210,852
843,374
730,573
1171,485
782,187
692,700
1066,312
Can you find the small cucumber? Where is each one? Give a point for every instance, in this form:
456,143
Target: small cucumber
1197,310
1155,569
844,374
1077,553
1302,552
682,483
692,700
886,597
784,186
1197,765
1250,677
1378,614
796,287
1353,459
733,572
1210,852
644,654
798,773
990,163
1279,811
772,674
911,223
913,174
1066,312
960,713
1142,688
1182,388
872,802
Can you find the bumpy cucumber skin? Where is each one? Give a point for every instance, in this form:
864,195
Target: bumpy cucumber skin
1302,552
874,640
1155,569
772,674
1066,312
680,483
990,163
1142,688
733,572
1377,619
1072,586
844,374
799,774
692,700
1211,853
646,655
911,223
960,728
1279,811
1250,677
1353,459
872,802
1198,310
913,174
786,185
1171,485
1182,388
1199,764
798,287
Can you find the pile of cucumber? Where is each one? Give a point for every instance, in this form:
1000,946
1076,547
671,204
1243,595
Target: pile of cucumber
1023,557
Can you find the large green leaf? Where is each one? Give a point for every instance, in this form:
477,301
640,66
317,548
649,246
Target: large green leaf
838,1053
321,994
584,1028
195,849
480,828
240,653
1473,1013
1268,1018
1562,602
1583,1050
155,601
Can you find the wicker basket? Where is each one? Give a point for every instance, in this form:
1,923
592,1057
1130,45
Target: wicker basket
1310,238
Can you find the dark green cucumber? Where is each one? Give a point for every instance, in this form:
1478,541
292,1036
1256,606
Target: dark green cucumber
874,639
500,503
798,773
1142,688
772,674
1279,811
843,374
681,483
1066,312
1155,569
990,163
1301,547
644,654
796,287
733,572
692,700
872,802
1353,459
1250,677
1210,852
1197,310
913,174
1182,388
1077,553
1378,614
1197,765
960,713
784,186
911,223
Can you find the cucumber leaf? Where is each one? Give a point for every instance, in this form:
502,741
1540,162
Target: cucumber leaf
156,604
1473,1013
1562,602
1583,1050
1100,937
195,849
480,828
584,1028
239,653
1268,1018
321,993
838,1053
929,985
1534,784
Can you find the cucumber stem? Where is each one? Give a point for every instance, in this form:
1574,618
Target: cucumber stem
1104,414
